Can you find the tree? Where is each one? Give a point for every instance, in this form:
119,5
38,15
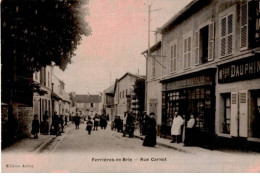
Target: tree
37,33
139,90
34,34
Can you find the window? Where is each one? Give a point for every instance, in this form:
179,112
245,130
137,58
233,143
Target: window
204,44
250,25
91,105
153,67
173,57
226,35
227,113
126,92
187,52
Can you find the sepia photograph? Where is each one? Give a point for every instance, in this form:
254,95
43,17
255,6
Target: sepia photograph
130,86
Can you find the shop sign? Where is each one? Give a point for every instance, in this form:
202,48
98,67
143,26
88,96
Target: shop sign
245,69
189,82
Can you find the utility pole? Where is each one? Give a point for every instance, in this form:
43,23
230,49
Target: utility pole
149,20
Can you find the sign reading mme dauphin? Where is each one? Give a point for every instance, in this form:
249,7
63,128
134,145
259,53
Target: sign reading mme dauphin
248,68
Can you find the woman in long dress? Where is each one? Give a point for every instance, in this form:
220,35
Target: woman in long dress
150,138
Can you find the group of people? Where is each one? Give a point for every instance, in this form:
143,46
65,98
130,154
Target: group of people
178,125
56,128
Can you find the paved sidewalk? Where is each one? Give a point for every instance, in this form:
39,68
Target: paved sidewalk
179,147
30,144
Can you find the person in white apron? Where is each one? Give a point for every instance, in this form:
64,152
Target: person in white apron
176,128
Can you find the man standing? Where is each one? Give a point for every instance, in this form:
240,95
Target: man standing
77,120
146,119
176,128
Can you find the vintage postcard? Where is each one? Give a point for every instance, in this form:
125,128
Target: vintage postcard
130,86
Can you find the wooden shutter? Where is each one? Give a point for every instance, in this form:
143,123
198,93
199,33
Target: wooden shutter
243,114
189,52
211,42
171,59
223,37
196,48
230,34
174,57
244,26
185,52
234,114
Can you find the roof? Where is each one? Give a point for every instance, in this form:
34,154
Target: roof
110,90
154,47
88,98
193,5
131,74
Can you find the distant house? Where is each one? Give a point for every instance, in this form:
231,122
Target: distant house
108,101
124,94
89,105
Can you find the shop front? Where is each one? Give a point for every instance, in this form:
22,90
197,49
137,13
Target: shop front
238,99
190,94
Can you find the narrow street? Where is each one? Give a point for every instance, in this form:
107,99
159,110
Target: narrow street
108,151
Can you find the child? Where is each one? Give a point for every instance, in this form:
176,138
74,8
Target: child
89,125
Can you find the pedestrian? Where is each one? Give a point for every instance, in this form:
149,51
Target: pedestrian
107,117
55,123
96,122
190,133
89,125
176,128
35,126
45,123
77,120
150,138
61,122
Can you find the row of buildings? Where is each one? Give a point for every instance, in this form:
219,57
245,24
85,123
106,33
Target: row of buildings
205,62
17,113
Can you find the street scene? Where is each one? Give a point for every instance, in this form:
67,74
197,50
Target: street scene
93,86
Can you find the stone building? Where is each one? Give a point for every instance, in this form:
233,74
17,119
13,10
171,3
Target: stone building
213,69
124,93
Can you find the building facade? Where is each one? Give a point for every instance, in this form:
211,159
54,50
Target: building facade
213,69
89,105
124,94
108,102
42,103
153,85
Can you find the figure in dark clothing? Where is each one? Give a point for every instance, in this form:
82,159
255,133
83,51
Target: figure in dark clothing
103,123
55,124
150,138
45,128
116,122
61,122
190,132
77,120
35,126
96,122
89,125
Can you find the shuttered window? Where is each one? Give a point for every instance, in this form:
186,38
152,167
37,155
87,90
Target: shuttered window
196,48
173,59
227,35
187,52
211,42
244,26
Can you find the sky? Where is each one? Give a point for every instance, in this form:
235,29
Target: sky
119,36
